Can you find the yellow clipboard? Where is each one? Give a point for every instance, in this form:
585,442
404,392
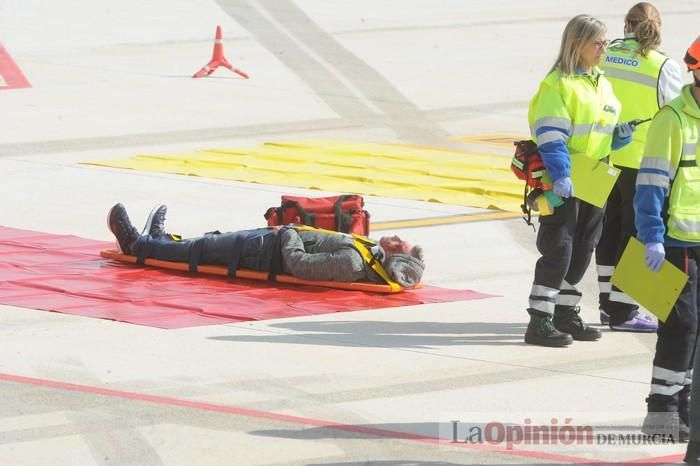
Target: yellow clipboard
656,291
592,179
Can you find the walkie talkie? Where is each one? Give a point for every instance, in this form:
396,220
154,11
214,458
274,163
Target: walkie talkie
638,121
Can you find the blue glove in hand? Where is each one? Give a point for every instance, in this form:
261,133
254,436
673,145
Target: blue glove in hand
563,187
654,256
625,130
622,135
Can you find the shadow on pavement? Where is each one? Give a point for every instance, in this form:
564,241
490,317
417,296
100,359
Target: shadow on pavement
391,334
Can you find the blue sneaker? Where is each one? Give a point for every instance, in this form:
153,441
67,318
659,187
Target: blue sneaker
604,317
638,323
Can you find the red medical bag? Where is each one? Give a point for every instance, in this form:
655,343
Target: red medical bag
343,213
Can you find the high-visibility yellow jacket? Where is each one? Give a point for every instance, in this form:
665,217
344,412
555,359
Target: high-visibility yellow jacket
572,114
635,81
669,169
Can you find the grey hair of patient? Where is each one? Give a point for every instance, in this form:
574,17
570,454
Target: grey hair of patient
417,252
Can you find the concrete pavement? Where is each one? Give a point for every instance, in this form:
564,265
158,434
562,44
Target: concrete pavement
374,387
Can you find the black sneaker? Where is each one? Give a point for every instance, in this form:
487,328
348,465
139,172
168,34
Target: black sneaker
568,321
692,453
540,331
155,223
668,425
119,224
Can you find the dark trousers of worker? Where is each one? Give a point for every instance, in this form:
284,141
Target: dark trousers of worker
618,228
676,345
254,253
566,239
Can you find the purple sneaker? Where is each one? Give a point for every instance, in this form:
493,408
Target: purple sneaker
604,317
638,323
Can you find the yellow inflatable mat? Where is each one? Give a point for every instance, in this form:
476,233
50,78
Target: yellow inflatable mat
406,172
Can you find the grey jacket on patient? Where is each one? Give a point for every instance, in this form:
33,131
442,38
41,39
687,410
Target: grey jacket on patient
313,255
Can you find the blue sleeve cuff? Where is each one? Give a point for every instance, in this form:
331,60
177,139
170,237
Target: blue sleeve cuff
648,204
555,156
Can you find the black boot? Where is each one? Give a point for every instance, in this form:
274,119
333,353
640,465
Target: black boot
568,321
663,418
540,331
155,223
667,425
692,453
120,225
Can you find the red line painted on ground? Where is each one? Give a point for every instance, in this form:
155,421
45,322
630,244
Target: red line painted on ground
382,433
13,76
658,460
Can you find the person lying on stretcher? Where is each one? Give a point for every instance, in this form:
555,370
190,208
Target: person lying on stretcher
300,251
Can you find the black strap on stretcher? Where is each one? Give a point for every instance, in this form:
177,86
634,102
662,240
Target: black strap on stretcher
276,262
144,252
195,254
234,257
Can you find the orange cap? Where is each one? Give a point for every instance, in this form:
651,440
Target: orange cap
692,56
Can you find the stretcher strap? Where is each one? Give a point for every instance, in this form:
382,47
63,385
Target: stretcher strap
145,249
360,245
235,256
307,218
195,254
363,245
343,219
276,261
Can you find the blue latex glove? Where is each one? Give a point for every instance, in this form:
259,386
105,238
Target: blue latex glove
654,256
622,135
625,130
563,187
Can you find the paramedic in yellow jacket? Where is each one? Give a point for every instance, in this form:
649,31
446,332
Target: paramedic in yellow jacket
667,216
644,80
574,112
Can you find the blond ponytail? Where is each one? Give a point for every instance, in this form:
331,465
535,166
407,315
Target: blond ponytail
644,22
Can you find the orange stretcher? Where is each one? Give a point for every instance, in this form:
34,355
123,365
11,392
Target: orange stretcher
257,275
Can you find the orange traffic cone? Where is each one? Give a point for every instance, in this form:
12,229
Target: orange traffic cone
218,59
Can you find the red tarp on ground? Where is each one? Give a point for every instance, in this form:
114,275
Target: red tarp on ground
65,273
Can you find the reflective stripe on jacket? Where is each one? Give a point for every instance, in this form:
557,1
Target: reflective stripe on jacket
670,163
635,80
579,110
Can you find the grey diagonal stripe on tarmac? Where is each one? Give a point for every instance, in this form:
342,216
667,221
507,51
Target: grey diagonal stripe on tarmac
105,441
402,116
278,42
405,118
